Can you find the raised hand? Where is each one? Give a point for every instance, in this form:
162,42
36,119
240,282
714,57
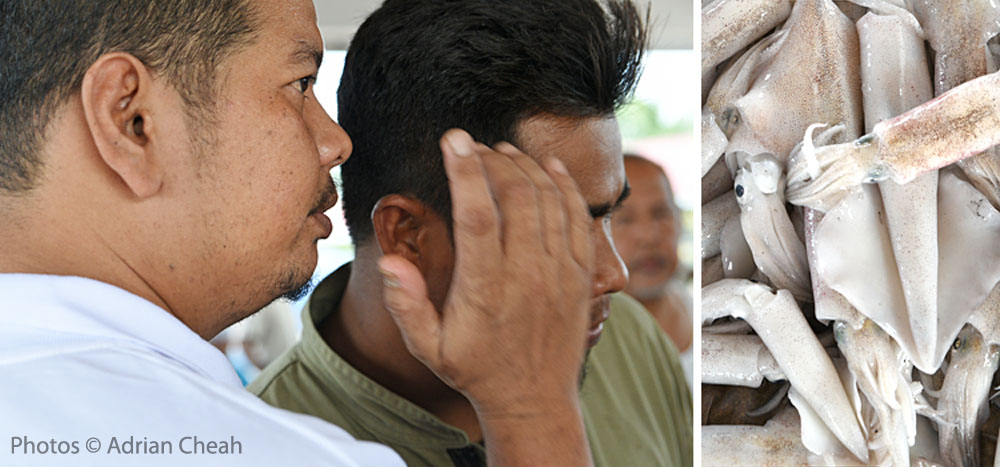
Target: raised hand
511,334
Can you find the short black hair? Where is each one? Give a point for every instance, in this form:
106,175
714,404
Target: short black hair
417,68
46,47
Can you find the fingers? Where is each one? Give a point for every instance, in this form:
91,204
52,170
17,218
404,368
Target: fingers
535,210
518,201
581,244
551,206
476,220
404,293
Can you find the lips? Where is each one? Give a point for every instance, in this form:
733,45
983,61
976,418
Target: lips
327,200
600,313
326,225
594,334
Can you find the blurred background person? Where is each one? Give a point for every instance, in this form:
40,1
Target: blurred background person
258,340
646,230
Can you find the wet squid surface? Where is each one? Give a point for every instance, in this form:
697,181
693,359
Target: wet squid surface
850,232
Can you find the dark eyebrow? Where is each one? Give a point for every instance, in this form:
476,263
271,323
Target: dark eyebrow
602,210
307,52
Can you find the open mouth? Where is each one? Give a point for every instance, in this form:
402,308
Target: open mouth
602,310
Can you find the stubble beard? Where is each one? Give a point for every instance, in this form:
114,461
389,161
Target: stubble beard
583,370
290,287
293,292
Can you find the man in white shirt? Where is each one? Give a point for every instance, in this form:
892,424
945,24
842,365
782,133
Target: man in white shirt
164,169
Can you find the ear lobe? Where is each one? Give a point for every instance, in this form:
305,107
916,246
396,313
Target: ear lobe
398,222
114,94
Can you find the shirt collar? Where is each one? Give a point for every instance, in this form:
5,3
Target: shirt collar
85,307
400,421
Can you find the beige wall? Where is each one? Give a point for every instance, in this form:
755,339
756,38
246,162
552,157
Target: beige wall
672,20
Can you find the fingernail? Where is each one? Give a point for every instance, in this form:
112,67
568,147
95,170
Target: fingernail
389,279
559,167
461,144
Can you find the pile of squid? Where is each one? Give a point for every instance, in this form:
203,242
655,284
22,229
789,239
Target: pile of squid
850,230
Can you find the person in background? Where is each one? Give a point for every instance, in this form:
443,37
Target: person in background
164,169
548,77
646,231
257,341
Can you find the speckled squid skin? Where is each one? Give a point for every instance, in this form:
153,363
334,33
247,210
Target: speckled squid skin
958,31
894,79
814,78
958,124
777,319
713,217
730,25
955,125
778,442
713,142
963,397
777,250
735,80
737,360
884,377
717,182
737,258
986,318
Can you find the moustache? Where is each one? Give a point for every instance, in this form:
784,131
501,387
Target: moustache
326,198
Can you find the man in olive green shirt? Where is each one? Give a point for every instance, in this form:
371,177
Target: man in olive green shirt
548,77
636,406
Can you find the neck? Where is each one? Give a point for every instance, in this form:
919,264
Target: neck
64,244
56,235
363,333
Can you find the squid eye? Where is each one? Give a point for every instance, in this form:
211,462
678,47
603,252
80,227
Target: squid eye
958,344
739,191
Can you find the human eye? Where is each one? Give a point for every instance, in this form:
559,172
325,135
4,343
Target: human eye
303,84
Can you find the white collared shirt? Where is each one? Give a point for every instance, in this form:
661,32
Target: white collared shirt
93,375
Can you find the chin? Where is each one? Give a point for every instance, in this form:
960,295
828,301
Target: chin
296,281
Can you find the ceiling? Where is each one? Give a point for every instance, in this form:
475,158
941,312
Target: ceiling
672,21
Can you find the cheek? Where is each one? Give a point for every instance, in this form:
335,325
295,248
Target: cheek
282,162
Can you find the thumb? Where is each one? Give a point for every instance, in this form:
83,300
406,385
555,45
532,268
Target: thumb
404,292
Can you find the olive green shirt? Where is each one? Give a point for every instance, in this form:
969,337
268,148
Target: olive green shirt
635,402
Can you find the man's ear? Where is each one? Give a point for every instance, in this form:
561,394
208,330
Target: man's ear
115,93
401,224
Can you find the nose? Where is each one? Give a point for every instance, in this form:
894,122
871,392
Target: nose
610,273
332,142
649,232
